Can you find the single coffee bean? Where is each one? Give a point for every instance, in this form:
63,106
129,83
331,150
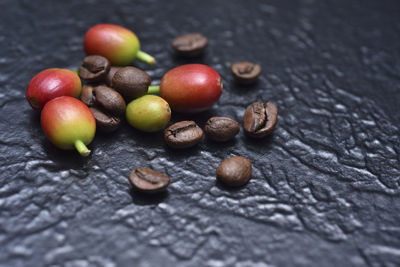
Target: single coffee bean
245,72
94,68
110,100
183,134
110,74
88,96
260,119
105,122
190,45
148,180
131,82
221,129
234,171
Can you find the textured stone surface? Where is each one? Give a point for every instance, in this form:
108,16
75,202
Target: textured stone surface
326,184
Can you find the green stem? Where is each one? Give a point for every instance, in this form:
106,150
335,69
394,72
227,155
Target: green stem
82,149
146,58
153,90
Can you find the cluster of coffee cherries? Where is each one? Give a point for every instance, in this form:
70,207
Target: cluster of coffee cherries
70,112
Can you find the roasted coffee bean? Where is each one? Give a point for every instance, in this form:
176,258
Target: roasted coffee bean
221,129
183,134
105,122
104,98
260,119
94,68
234,171
131,82
245,72
110,100
110,74
190,45
148,180
88,96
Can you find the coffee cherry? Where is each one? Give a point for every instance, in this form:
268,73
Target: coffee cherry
191,88
116,43
68,123
51,83
148,113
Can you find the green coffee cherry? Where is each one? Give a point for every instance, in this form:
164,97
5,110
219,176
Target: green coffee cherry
148,113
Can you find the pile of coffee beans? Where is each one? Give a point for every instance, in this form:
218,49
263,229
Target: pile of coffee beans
112,89
108,87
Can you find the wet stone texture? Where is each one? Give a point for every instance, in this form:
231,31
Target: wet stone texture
326,184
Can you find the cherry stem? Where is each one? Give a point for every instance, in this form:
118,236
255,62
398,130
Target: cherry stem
153,90
82,149
146,58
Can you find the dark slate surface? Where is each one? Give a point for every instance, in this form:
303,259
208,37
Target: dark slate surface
325,189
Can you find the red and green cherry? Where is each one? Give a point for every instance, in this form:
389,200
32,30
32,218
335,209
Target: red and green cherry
51,83
68,123
190,88
116,43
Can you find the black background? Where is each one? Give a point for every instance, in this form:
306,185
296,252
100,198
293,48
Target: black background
325,186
